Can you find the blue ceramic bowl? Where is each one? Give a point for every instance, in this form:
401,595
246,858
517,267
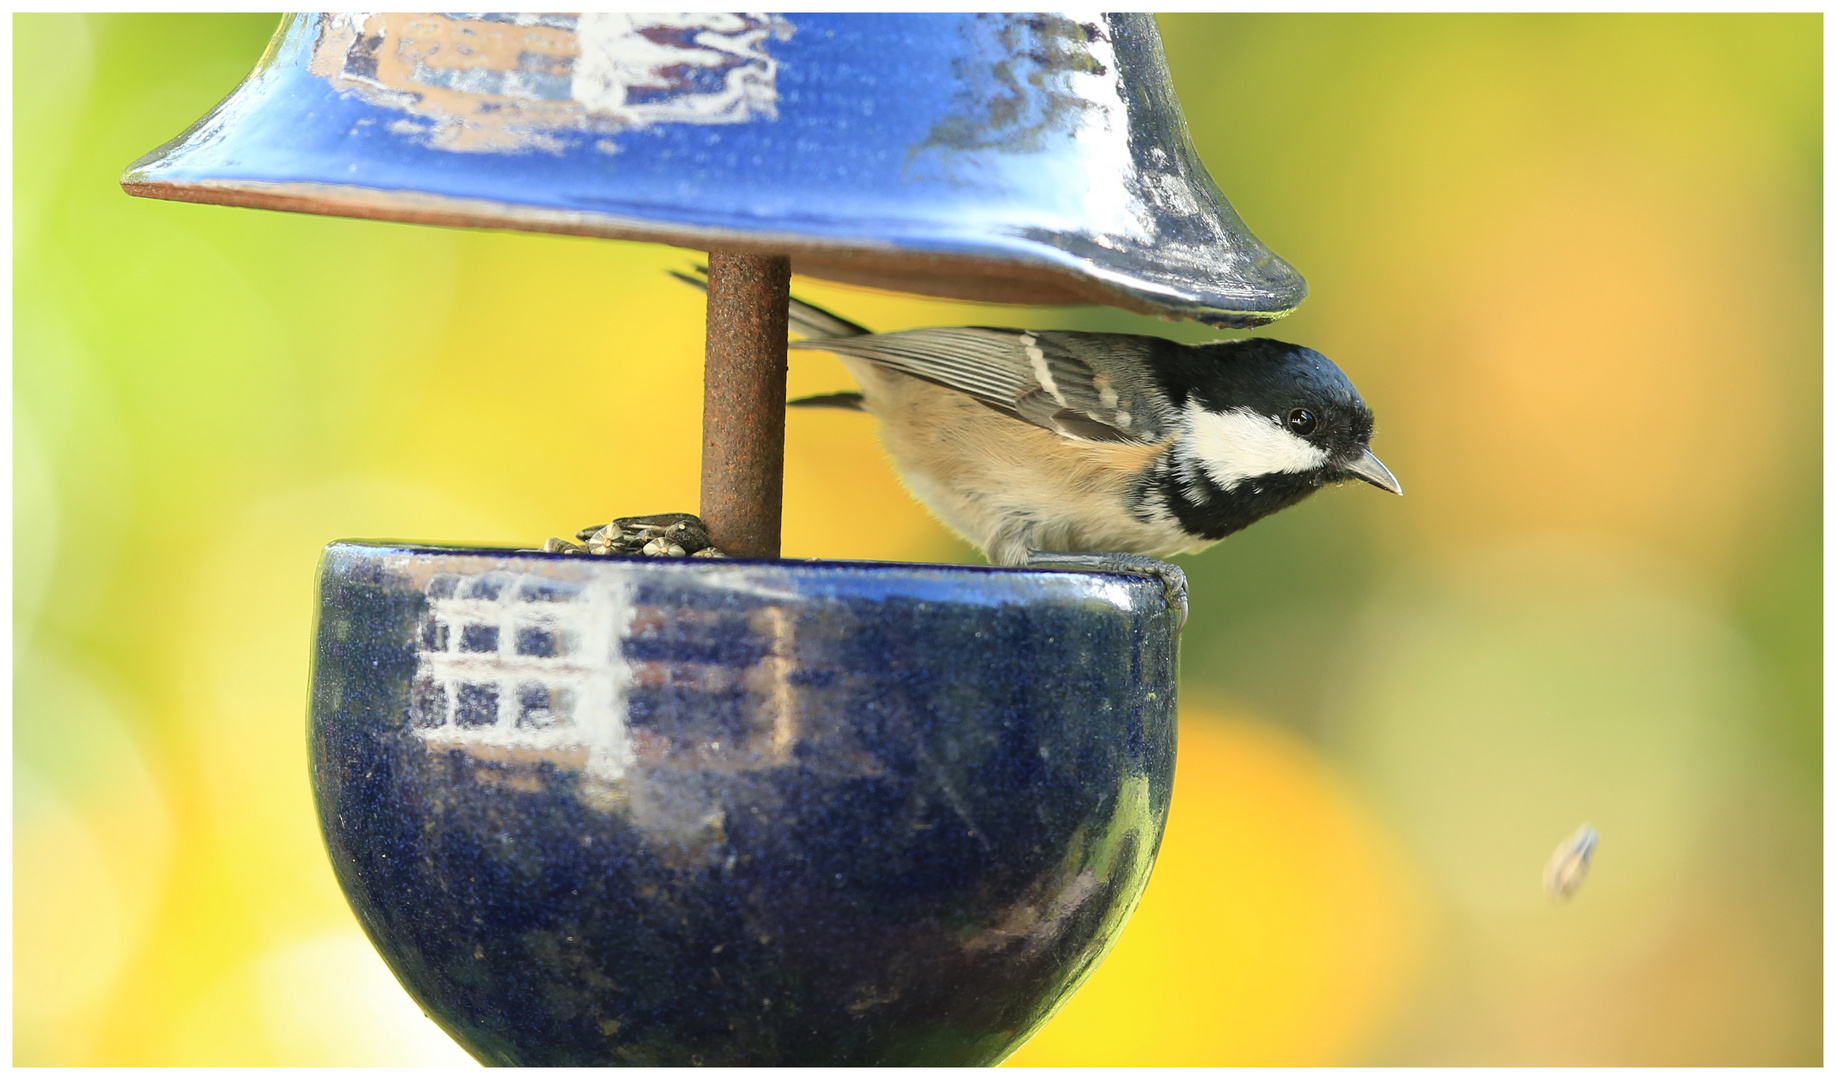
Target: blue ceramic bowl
603,811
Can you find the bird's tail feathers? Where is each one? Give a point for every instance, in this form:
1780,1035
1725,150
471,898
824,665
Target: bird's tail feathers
813,322
806,319
845,400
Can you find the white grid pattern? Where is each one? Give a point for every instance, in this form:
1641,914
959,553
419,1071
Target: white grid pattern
583,682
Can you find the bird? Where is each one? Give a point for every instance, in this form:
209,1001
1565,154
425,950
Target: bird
1081,450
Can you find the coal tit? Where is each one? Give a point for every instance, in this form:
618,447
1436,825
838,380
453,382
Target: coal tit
1090,450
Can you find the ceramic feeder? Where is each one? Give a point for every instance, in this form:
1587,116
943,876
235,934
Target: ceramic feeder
609,810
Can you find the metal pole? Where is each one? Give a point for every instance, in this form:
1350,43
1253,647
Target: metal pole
742,419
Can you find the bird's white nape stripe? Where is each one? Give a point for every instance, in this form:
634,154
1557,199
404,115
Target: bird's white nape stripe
1241,444
1041,370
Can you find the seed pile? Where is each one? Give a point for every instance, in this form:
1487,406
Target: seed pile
662,535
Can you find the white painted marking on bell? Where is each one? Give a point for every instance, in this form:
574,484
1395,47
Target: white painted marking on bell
738,78
1041,370
1238,444
1567,868
1110,205
538,81
543,678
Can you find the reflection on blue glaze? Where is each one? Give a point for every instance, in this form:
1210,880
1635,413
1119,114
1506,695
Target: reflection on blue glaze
1049,146
733,812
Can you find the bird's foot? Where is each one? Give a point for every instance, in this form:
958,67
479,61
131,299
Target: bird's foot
674,535
1171,577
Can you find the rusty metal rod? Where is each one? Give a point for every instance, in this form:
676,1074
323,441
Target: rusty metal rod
742,419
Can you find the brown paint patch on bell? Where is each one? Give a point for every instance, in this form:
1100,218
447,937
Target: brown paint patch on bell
742,422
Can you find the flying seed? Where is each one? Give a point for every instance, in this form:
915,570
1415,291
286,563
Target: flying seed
1567,868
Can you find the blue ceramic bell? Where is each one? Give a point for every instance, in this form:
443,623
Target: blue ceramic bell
607,810
1039,159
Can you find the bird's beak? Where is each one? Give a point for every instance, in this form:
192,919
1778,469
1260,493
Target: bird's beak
1367,468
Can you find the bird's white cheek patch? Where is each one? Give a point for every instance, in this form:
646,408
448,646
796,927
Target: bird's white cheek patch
1241,444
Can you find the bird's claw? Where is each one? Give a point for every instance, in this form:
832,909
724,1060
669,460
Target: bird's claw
1171,578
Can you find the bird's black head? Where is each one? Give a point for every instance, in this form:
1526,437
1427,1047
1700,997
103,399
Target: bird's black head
1266,423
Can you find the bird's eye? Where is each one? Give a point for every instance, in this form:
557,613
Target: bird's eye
1301,422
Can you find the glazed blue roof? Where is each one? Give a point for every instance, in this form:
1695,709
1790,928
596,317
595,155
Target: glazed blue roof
1029,158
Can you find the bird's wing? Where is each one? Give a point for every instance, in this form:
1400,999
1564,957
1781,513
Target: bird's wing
1091,387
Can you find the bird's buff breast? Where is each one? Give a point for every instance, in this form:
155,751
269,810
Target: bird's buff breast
1006,485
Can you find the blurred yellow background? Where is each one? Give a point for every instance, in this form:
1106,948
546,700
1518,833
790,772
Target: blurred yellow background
1574,263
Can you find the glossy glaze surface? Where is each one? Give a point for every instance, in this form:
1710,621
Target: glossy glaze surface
629,811
1027,158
